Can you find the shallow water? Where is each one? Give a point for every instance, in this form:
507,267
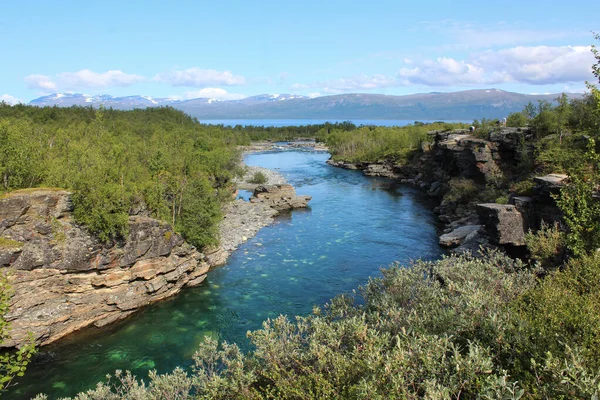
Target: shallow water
354,226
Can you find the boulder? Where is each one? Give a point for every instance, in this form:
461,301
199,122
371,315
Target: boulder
459,235
525,205
380,169
503,223
550,184
279,197
342,164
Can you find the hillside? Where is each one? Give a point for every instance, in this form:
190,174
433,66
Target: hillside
469,104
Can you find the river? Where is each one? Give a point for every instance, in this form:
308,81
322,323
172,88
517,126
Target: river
354,226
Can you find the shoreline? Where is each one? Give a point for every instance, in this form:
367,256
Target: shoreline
243,219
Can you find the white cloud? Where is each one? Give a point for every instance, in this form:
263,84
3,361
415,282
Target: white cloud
40,82
81,79
7,98
89,79
314,94
195,77
540,65
213,93
534,65
442,72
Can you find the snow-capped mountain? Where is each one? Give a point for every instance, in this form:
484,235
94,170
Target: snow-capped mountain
129,102
78,99
468,104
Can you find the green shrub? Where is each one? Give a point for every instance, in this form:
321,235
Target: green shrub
563,311
580,205
461,190
503,199
113,161
547,246
258,178
517,119
523,188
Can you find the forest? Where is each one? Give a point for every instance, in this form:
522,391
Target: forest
156,161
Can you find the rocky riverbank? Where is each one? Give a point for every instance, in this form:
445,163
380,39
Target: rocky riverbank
243,219
63,279
451,158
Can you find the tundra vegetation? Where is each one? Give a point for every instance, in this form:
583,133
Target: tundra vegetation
460,327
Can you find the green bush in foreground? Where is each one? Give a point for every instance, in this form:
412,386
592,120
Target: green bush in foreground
461,327
547,246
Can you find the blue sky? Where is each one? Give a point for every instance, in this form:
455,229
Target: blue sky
232,49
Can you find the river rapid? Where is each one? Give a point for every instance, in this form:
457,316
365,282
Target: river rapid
354,226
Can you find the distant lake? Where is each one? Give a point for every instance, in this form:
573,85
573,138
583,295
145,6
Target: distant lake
300,122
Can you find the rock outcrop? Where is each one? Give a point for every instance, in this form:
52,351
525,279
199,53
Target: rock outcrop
503,223
63,279
461,235
279,197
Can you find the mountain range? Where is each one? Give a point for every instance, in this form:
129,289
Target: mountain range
463,105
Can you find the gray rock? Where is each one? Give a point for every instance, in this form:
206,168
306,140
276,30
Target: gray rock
242,220
550,183
503,223
525,205
459,235
279,197
380,169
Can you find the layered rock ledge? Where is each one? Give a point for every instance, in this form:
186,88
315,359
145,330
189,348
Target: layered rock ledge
63,279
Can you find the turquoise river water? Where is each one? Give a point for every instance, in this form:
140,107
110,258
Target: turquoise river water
355,225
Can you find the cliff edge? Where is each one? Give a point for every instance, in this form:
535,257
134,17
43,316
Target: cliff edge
63,279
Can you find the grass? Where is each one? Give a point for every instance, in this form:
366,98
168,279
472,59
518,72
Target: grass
6,243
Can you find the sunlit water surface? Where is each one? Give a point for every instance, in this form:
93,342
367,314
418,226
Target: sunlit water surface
355,225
